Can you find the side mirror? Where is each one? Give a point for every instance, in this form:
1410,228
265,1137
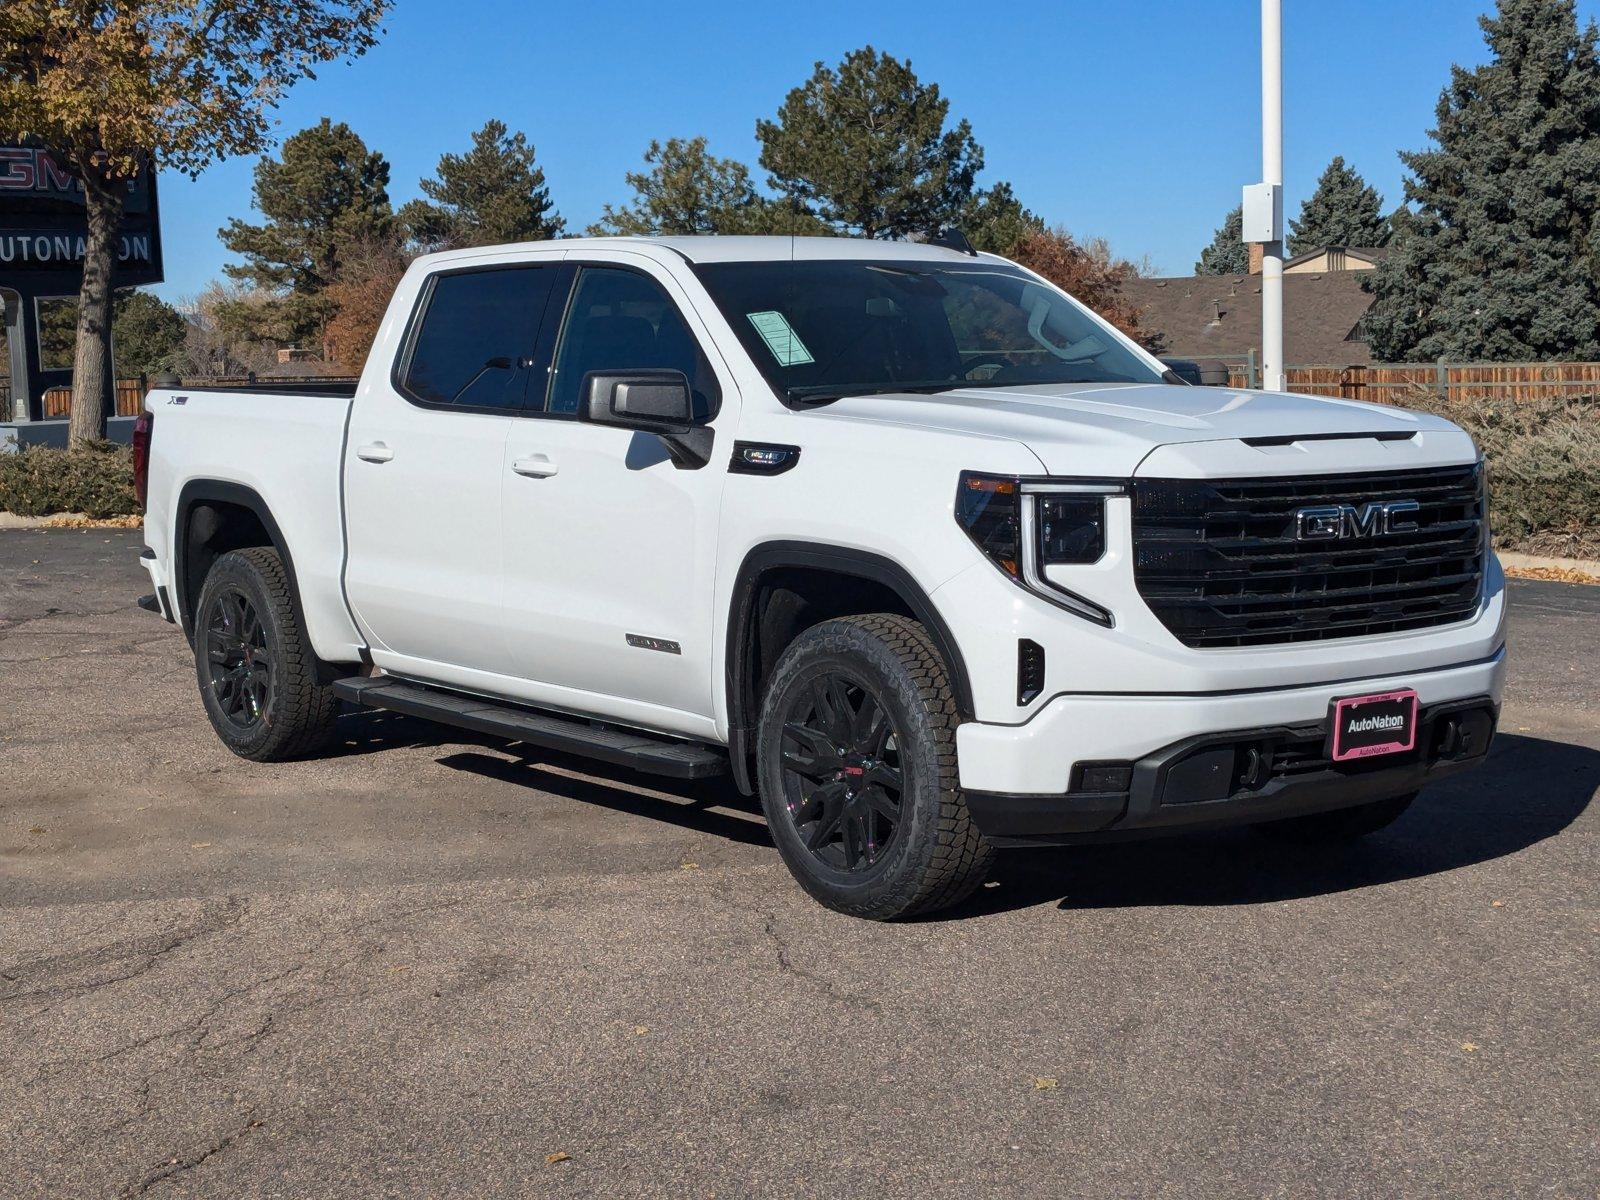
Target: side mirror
654,401
650,401
1181,370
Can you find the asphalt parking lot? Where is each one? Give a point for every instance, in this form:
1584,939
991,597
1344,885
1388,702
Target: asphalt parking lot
435,967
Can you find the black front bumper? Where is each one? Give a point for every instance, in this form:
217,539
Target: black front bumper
1238,777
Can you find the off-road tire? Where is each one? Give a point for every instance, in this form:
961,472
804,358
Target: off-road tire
937,856
298,717
1340,825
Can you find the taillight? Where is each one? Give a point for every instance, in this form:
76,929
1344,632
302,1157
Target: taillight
143,428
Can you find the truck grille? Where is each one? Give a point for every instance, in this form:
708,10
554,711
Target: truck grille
1220,564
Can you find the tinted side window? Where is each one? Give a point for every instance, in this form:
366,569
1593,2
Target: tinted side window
478,333
620,320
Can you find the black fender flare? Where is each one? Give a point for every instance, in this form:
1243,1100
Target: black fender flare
743,705
204,491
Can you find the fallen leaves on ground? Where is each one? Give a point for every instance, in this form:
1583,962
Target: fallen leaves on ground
1552,574
79,521
560,1156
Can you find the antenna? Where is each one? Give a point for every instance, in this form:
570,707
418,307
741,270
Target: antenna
952,238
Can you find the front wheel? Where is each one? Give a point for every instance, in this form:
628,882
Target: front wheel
857,766
254,662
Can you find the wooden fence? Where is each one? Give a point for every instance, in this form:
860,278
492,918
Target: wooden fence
130,392
1393,382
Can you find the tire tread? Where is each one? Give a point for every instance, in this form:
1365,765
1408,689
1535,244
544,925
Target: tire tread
305,710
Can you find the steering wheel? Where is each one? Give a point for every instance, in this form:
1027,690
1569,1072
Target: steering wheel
984,360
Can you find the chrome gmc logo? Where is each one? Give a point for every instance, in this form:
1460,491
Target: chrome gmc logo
1352,521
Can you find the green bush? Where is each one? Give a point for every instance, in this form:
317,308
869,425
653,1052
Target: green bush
96,479
1544,467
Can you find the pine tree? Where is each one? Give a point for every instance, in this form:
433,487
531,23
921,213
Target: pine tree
996,221
492,194
148,334
1227,254
1499,256
1343,211
865,149
326,193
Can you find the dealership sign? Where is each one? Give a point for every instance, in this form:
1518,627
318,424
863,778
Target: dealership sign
46,249
44,232
43,226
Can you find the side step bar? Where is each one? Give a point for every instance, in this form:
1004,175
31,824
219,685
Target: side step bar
571,735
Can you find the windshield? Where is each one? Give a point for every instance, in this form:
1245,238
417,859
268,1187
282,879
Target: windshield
821,330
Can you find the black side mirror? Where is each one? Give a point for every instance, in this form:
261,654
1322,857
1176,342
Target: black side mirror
651,401
1181,370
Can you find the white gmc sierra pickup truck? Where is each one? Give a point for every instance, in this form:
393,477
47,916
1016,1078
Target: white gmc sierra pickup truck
902,537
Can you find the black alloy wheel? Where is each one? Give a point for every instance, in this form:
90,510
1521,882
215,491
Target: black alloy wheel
842,780
239,658
263,689
856,760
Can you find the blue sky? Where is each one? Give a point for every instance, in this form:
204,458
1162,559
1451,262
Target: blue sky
1136,120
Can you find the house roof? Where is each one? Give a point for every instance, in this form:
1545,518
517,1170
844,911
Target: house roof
1367,254
1220,315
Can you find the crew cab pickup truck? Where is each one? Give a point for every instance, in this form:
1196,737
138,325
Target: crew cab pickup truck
902,537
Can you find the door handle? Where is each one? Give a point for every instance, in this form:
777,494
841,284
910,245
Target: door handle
535,466
374,452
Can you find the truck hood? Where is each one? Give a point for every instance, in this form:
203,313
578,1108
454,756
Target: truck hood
1109,429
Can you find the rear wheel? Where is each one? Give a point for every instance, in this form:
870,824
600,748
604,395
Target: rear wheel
857,767
1340,825
254,664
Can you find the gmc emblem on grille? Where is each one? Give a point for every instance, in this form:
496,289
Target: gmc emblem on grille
1352,521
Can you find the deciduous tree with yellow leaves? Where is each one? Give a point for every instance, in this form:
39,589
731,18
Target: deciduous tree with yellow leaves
116,87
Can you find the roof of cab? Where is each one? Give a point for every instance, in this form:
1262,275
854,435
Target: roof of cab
731,248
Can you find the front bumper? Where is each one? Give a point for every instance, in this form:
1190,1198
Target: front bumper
1209,759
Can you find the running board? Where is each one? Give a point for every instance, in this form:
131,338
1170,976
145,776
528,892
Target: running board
571,735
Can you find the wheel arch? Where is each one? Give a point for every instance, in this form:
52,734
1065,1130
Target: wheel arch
196,546
773,566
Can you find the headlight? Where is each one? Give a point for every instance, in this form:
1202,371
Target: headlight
1024,525
1072,528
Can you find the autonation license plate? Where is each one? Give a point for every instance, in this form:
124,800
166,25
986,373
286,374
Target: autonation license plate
1364,726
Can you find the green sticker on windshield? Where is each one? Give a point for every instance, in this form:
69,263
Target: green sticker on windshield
781,339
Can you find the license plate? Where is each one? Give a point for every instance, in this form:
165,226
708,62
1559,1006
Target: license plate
1364,726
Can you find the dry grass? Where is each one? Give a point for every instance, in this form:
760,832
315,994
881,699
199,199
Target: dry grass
1544,467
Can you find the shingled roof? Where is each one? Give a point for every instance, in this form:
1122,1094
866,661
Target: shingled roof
1220,316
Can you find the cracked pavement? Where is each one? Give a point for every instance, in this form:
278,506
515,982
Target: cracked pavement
421,966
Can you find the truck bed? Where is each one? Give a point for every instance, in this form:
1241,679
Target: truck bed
342,388
276,447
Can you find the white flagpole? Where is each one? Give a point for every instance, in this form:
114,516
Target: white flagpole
1272,374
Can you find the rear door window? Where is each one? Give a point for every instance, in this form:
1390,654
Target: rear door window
476,345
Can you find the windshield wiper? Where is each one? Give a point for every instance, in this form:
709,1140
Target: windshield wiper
827,393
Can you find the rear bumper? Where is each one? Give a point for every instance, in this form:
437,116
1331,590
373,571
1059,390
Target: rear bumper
1108,766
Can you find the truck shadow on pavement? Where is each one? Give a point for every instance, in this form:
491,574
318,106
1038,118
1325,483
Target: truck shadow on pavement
1530,790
